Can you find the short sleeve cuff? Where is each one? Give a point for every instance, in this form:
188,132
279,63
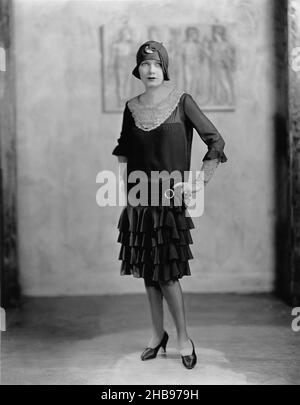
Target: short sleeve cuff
119,151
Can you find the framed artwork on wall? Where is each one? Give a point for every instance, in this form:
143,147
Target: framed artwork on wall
202,62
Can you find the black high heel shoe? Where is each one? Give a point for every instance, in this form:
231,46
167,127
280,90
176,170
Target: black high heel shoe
151,353
190,360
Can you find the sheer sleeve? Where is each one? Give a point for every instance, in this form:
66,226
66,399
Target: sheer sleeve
207,131
123,147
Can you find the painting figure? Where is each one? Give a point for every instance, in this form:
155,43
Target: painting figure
173,43
122,57
190,57
222,67
155,33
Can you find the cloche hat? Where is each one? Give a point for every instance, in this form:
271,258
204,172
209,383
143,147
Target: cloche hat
152,50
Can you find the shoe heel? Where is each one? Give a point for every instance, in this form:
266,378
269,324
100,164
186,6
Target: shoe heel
151,353
165,341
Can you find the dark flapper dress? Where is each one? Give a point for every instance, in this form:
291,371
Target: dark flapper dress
155,239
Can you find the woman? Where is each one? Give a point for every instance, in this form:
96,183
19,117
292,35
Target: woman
157,135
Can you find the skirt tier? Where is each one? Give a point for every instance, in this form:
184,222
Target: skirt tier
155,242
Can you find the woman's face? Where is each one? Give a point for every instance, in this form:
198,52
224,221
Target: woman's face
151,73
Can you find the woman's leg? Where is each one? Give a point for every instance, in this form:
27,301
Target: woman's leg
174,297
155,298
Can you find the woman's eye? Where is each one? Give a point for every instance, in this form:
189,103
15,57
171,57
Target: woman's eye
148,64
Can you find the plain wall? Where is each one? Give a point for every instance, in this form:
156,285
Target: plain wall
68,244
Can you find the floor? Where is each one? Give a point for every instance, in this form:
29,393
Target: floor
239,339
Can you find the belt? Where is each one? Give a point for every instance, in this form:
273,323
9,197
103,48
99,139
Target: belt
155,193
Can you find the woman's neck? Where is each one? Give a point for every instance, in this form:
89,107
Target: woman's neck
156,94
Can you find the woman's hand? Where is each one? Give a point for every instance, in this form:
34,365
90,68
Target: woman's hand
209,167
187,190
190,189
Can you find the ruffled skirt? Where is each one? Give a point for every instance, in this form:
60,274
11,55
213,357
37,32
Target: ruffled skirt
155,242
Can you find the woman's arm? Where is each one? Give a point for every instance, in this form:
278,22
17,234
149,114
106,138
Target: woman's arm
122,150
207,131
122,168
214,141
122,159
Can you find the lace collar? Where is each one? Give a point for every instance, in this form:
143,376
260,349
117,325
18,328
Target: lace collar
148,117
